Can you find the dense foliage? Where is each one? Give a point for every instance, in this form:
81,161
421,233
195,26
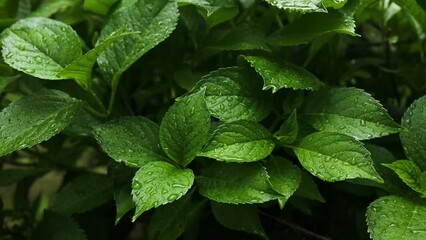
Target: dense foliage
212,119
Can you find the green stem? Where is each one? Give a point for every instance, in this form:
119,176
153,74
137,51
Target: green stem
278,19
94,112
97,100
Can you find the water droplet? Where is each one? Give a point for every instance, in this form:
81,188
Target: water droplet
22,47
136,185
362,122
172,197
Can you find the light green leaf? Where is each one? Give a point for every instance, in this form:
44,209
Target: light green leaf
220,183
82,194
169,221
334,3
99,7
40,47
159,183
239,217
410,173
243,37
277,75
132,140
310,26
214,11
288,130
55,226
49,7
308,188
240,141
348,111
394,217
235,94
80,70
299,5
34,119
154,19
414,140
335,157
285,177
185,128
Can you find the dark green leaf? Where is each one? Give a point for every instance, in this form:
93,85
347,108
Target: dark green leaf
154,19
288,130
40,47
82,194
132,140
239,217
311,26
244,37
414,140
214,11
235,94
122,188
348,111
159,183
239,141
285,177
220,183
185,128
335,157
34,119
308,188
169,221
277,75
55,226
410,173
394,217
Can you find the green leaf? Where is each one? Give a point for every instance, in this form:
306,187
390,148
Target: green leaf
122,188
414,140
243,37
240,141
334,3
308,188
80,70
55,226
169,221
214,11
394,217
40,47
239,217
99,7
299,5
154,19
83,193
335,157
414,8
311,26
277,75
220,183
159,183
34,119
235,94
410,173
132,140
288,130
49,7
285,177
349,111
185,128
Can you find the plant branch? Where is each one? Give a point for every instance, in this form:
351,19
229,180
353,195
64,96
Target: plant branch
295,227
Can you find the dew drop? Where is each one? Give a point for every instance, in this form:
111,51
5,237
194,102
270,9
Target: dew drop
136,185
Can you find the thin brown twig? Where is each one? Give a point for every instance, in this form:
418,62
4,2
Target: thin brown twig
295,227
